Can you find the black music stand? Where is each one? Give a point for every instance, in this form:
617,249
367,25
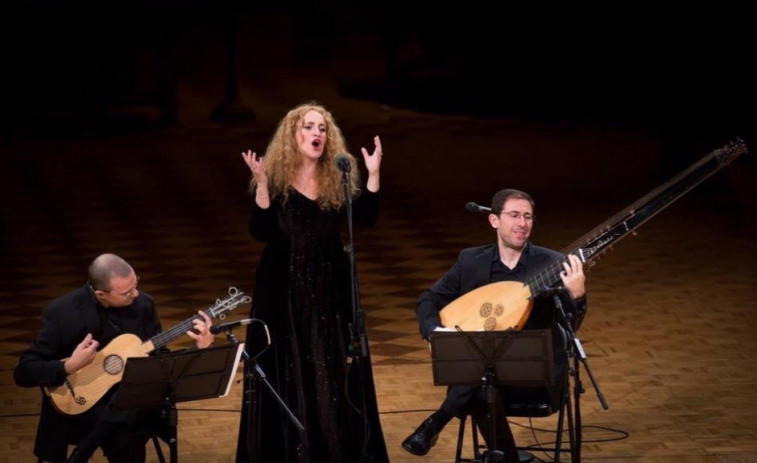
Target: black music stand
164,380
490,359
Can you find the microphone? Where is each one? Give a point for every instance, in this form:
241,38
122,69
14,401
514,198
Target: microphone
215,329
473,207
544,292
343,163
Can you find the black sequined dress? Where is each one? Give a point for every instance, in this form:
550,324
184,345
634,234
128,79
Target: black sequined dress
302,292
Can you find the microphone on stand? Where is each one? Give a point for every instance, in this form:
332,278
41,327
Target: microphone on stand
215,329
544,292
343,163
473,207
357,327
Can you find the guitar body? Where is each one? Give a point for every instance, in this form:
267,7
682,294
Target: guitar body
85,387
496,306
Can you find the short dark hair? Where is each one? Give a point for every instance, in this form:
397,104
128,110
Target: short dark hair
500,198
104,268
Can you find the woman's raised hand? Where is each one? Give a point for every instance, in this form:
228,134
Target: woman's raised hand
255,164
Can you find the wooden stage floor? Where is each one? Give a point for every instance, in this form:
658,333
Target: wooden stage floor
670,333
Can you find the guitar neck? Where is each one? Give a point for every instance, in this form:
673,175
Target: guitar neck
547,276
601,238
166,337
219,309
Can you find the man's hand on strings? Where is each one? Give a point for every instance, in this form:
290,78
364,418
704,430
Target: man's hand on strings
573,277
200,331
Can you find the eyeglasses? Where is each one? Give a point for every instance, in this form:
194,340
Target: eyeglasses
124,294
515,215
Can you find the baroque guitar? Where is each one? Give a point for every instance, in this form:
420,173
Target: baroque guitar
85,387
507,304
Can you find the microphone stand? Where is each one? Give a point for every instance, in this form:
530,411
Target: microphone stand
358,346
253,371
358,339
576,351
488,384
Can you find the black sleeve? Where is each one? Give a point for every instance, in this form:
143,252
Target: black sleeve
366,208
41,364
262,224
434,299
580,306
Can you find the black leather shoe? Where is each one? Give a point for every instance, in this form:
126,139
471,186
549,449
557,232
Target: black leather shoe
77,456
421,441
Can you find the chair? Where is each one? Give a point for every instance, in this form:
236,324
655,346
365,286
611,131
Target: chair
155,438
533,384
533,407
158,449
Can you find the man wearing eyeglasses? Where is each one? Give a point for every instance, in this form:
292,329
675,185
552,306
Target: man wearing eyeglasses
511,258
74,326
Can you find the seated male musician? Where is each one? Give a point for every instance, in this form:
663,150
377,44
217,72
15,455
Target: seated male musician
511,258
74,326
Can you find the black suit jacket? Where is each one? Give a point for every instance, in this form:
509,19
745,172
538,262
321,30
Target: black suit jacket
65,323
473,269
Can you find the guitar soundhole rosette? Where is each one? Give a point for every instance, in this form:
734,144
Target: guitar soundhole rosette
490,323
485,310
78,399
113,364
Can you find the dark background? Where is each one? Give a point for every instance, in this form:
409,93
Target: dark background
679,71
598,102
122,123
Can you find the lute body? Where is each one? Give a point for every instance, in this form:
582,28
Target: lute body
493,307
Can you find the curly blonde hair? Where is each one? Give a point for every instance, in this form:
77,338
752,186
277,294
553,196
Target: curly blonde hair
283,159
